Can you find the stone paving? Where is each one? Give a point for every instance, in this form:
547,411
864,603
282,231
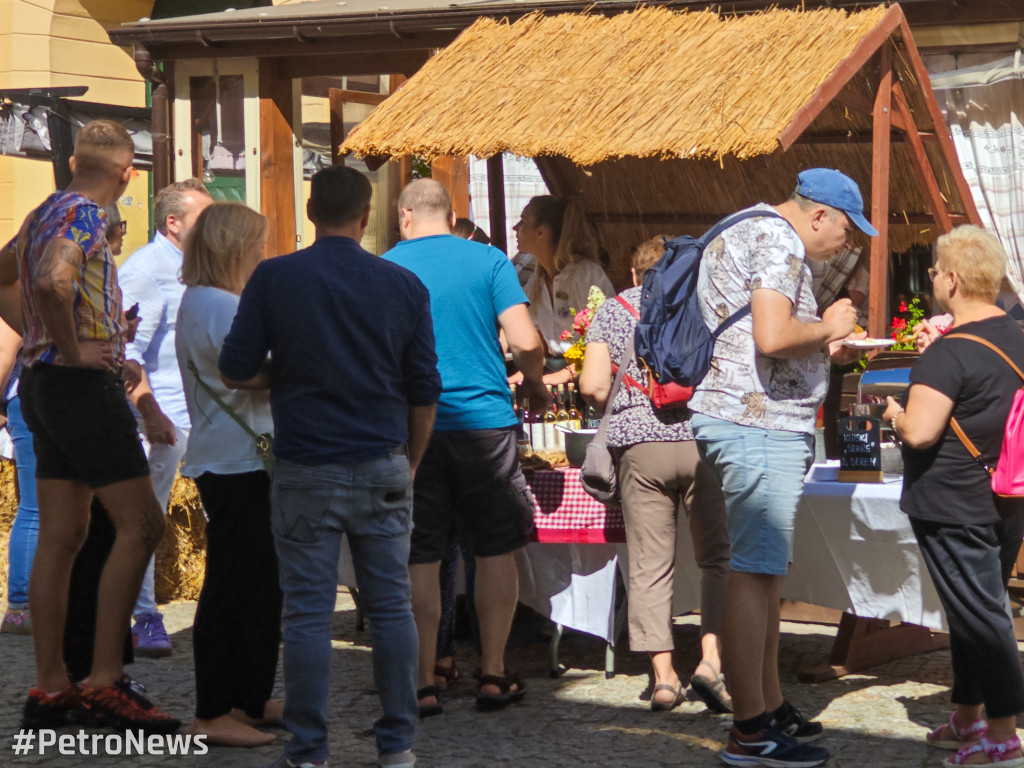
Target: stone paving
877,719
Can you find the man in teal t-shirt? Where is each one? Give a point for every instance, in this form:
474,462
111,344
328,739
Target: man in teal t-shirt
470,475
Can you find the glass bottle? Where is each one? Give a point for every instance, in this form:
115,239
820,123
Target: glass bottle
575,420
551,435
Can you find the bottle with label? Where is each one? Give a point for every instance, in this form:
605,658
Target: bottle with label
536,430
591,419
573,416
523,438
551,435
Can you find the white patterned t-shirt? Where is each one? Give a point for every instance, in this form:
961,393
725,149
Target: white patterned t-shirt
745,386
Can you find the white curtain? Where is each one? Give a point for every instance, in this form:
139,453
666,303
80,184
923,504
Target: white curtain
522,181
984,108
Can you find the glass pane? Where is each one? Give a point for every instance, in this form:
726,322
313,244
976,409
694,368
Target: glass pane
218,135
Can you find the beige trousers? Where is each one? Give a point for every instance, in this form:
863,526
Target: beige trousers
656,481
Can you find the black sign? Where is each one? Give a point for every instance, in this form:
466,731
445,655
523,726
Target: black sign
860,449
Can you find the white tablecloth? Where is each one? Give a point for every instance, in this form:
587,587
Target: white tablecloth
854,551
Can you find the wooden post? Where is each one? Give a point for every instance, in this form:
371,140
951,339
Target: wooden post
496,200
878,287
922,167
277,185
453,172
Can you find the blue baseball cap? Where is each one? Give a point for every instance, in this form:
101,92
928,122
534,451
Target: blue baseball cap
829,187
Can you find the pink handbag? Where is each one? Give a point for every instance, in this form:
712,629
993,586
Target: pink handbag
1008,474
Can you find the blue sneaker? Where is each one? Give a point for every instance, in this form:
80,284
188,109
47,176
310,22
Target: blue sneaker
149,638
772,749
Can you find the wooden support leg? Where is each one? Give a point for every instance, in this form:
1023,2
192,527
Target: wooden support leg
863,643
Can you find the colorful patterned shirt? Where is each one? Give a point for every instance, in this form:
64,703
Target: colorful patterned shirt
97,308
633,418
745,386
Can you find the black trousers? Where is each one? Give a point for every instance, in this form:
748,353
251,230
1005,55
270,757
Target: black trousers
970,566
80,621
237,627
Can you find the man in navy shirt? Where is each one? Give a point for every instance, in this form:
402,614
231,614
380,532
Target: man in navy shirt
353,388
470,475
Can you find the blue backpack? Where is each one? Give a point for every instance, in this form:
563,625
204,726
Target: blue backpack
672,340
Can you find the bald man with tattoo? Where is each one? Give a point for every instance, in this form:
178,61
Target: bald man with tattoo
85,437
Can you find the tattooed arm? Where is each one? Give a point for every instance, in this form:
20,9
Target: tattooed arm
53,288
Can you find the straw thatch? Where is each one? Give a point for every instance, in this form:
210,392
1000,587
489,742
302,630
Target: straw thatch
589,88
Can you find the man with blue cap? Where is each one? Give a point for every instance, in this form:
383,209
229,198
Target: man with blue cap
754,417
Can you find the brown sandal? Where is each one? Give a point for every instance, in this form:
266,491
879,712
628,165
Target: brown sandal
451,675
511,689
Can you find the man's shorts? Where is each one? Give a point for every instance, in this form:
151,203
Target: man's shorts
470,480
82,426
762,476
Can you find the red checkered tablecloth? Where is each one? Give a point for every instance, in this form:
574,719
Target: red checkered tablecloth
564,513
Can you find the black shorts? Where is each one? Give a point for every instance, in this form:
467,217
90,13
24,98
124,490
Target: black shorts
82,426
470,479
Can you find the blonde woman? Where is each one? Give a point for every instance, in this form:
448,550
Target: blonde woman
556,233
237,624
969,537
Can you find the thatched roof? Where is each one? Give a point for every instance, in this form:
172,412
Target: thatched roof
650,83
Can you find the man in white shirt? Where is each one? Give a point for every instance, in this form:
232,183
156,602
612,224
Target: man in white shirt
150,278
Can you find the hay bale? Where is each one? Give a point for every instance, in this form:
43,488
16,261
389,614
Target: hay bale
8,508
181,555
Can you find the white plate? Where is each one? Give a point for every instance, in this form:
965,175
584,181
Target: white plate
869,343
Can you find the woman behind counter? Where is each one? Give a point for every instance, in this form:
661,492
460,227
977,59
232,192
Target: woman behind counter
555,231
969,537
660,474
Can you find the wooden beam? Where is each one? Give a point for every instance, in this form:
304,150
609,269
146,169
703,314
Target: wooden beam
945,141
878,269
922,166
841,75
858,138
277,186
863,104
371,63
496,200
711,218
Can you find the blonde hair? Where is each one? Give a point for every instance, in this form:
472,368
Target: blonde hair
977,257
571,233
103,148
223,247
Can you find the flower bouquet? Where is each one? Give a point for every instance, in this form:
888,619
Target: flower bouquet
908,316
581,320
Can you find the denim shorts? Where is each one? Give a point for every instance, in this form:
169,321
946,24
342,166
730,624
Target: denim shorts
762,475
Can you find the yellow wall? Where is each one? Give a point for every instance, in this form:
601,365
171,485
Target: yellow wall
53,43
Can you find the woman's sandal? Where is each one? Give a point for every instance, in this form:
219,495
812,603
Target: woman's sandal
429,710
451,675
510,687
961,736
996,751
711,690
678,697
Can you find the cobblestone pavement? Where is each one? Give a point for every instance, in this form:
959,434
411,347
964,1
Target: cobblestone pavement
875,720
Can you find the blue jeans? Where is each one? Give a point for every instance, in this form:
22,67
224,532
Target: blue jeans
311,507
762,476
25,532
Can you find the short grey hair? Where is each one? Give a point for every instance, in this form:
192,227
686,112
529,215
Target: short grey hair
170,201
428,198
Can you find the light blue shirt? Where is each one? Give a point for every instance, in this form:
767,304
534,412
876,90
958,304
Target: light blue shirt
150,277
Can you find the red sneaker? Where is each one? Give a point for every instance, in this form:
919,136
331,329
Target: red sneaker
123,707
43,711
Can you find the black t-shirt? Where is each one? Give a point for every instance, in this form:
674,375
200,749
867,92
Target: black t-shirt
943,483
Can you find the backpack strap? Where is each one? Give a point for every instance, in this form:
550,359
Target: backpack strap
629,380
714,232
968,444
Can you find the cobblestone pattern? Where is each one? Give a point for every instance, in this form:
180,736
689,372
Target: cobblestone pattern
874,720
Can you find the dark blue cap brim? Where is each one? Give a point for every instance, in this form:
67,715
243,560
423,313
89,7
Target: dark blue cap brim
862,223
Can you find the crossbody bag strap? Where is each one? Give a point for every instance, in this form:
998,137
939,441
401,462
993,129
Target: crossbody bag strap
957,429
260,439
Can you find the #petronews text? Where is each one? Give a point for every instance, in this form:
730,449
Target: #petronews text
130,743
